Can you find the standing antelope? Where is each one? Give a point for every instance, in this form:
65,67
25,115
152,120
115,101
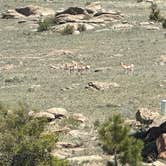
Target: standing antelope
127,68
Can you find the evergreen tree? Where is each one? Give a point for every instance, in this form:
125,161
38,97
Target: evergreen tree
22,142
114,135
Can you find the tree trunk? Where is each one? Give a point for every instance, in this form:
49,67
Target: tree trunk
115,158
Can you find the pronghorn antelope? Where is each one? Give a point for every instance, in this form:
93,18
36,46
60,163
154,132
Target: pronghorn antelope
76,66
127,68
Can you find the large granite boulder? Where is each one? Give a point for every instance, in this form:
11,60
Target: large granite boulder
146,116
58,112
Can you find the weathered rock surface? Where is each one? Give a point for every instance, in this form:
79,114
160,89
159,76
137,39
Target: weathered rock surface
43,114
101,85
146,116
161,146
23,12
35,10
12,14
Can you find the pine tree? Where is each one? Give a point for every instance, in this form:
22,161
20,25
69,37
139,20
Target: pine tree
114,135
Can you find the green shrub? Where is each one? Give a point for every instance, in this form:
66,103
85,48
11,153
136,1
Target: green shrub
22,142
68,30
114,136
45,24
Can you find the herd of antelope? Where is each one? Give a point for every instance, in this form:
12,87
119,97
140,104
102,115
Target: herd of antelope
80,67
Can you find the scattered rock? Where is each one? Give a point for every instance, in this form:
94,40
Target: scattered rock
102,30
163,59
76,32
82,159
122,26
149,27
157,163
58,112
161,146
101,85
67,145
146,23
118,55
78,133
60,154
146,116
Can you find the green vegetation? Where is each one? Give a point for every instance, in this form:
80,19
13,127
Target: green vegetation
45,24
70,122
114,135
22,142
155,13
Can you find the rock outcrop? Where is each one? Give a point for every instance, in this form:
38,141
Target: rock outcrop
146,116
27,11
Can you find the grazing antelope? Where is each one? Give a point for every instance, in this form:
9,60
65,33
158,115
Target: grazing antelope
127,68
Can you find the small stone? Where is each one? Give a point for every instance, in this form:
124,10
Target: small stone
76,32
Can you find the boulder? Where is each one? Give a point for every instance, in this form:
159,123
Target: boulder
67,18
12,14
23,12
163,58
79,117
101,85
146,116
158,163
43,114
83,159
58,112
72,11
35,10
161,146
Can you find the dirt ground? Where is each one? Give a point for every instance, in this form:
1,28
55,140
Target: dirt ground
32,80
